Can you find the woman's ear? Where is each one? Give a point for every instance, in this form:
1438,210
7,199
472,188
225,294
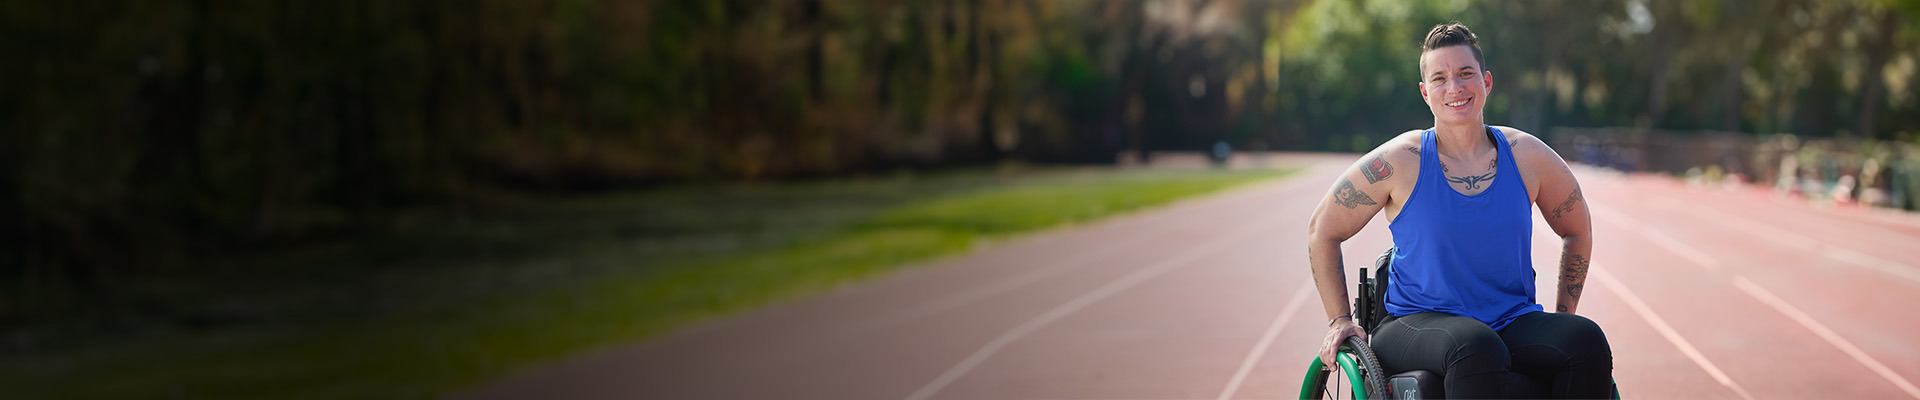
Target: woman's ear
1487,76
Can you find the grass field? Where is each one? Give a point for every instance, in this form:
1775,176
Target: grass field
450,303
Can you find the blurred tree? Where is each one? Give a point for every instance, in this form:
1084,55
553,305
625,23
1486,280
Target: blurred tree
141,136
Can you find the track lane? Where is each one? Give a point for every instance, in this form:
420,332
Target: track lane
1790,359
1190,331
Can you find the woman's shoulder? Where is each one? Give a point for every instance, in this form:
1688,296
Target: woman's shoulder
1520,141
1512,135
1528,150
1407,140
1403,149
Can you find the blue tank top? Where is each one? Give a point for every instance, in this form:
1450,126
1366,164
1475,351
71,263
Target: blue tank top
1469,256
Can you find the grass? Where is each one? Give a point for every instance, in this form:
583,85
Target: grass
443,306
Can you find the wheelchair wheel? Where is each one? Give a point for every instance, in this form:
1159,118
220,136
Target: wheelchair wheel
1358,375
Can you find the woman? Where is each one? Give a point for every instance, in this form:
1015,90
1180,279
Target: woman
1457,198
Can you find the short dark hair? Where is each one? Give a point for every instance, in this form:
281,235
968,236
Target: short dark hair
1449,35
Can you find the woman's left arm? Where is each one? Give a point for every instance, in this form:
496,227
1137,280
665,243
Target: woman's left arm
1565,209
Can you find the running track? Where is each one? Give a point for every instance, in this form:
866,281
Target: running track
1704,293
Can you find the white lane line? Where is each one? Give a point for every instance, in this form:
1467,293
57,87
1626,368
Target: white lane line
1778,304
1660,325
1808,244
1857,258
1101,293
1655,235
1807,321
1002,286
1744,225
1253,357
1660,238
1077,261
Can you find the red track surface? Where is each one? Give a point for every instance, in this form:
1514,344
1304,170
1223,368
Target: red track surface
1704,293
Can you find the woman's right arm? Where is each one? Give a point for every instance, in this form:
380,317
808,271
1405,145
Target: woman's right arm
1359,193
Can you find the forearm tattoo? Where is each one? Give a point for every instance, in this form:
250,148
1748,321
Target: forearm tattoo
1347,196
1573,267
1573,274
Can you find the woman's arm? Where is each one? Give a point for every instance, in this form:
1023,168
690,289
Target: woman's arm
1356,196
1360,192
1565,209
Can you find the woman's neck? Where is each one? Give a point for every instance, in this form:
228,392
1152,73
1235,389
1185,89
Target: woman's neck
1462,140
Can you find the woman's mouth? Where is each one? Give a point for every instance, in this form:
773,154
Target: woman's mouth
1458,103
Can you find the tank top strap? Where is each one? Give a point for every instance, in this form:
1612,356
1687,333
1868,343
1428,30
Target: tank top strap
1508,167
1430,172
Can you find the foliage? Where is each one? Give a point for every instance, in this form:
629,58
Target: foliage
143,138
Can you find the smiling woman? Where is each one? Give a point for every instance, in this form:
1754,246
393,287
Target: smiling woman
1461,216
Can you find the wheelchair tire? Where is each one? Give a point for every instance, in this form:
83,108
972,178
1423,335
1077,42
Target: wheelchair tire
1374,378
1358,375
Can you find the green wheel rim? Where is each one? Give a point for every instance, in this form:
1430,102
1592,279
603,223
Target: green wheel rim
1317,376
1354,380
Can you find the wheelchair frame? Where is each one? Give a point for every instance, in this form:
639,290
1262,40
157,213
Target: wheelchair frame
1355,357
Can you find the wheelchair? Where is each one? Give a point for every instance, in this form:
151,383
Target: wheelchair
1357,373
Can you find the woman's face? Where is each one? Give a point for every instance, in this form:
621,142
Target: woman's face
1453,85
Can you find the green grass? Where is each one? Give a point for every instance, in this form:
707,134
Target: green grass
447,305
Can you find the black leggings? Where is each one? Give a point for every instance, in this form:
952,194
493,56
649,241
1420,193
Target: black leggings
1540,354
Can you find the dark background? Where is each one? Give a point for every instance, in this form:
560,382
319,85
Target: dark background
140,137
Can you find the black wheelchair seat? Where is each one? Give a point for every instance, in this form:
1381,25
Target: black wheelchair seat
1419,384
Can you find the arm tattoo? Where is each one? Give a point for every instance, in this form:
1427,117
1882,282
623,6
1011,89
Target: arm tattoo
1573,273
1377,168
1564,207
1573,268
1472,182
1347,196
1414,150
1573,276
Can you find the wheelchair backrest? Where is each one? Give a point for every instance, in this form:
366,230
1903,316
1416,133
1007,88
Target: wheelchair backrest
1372,300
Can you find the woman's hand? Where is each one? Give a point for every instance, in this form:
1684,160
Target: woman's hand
1341,329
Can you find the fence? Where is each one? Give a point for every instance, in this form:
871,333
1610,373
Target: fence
1877,173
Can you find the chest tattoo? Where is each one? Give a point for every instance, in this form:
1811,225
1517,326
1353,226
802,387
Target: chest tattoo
1472,181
